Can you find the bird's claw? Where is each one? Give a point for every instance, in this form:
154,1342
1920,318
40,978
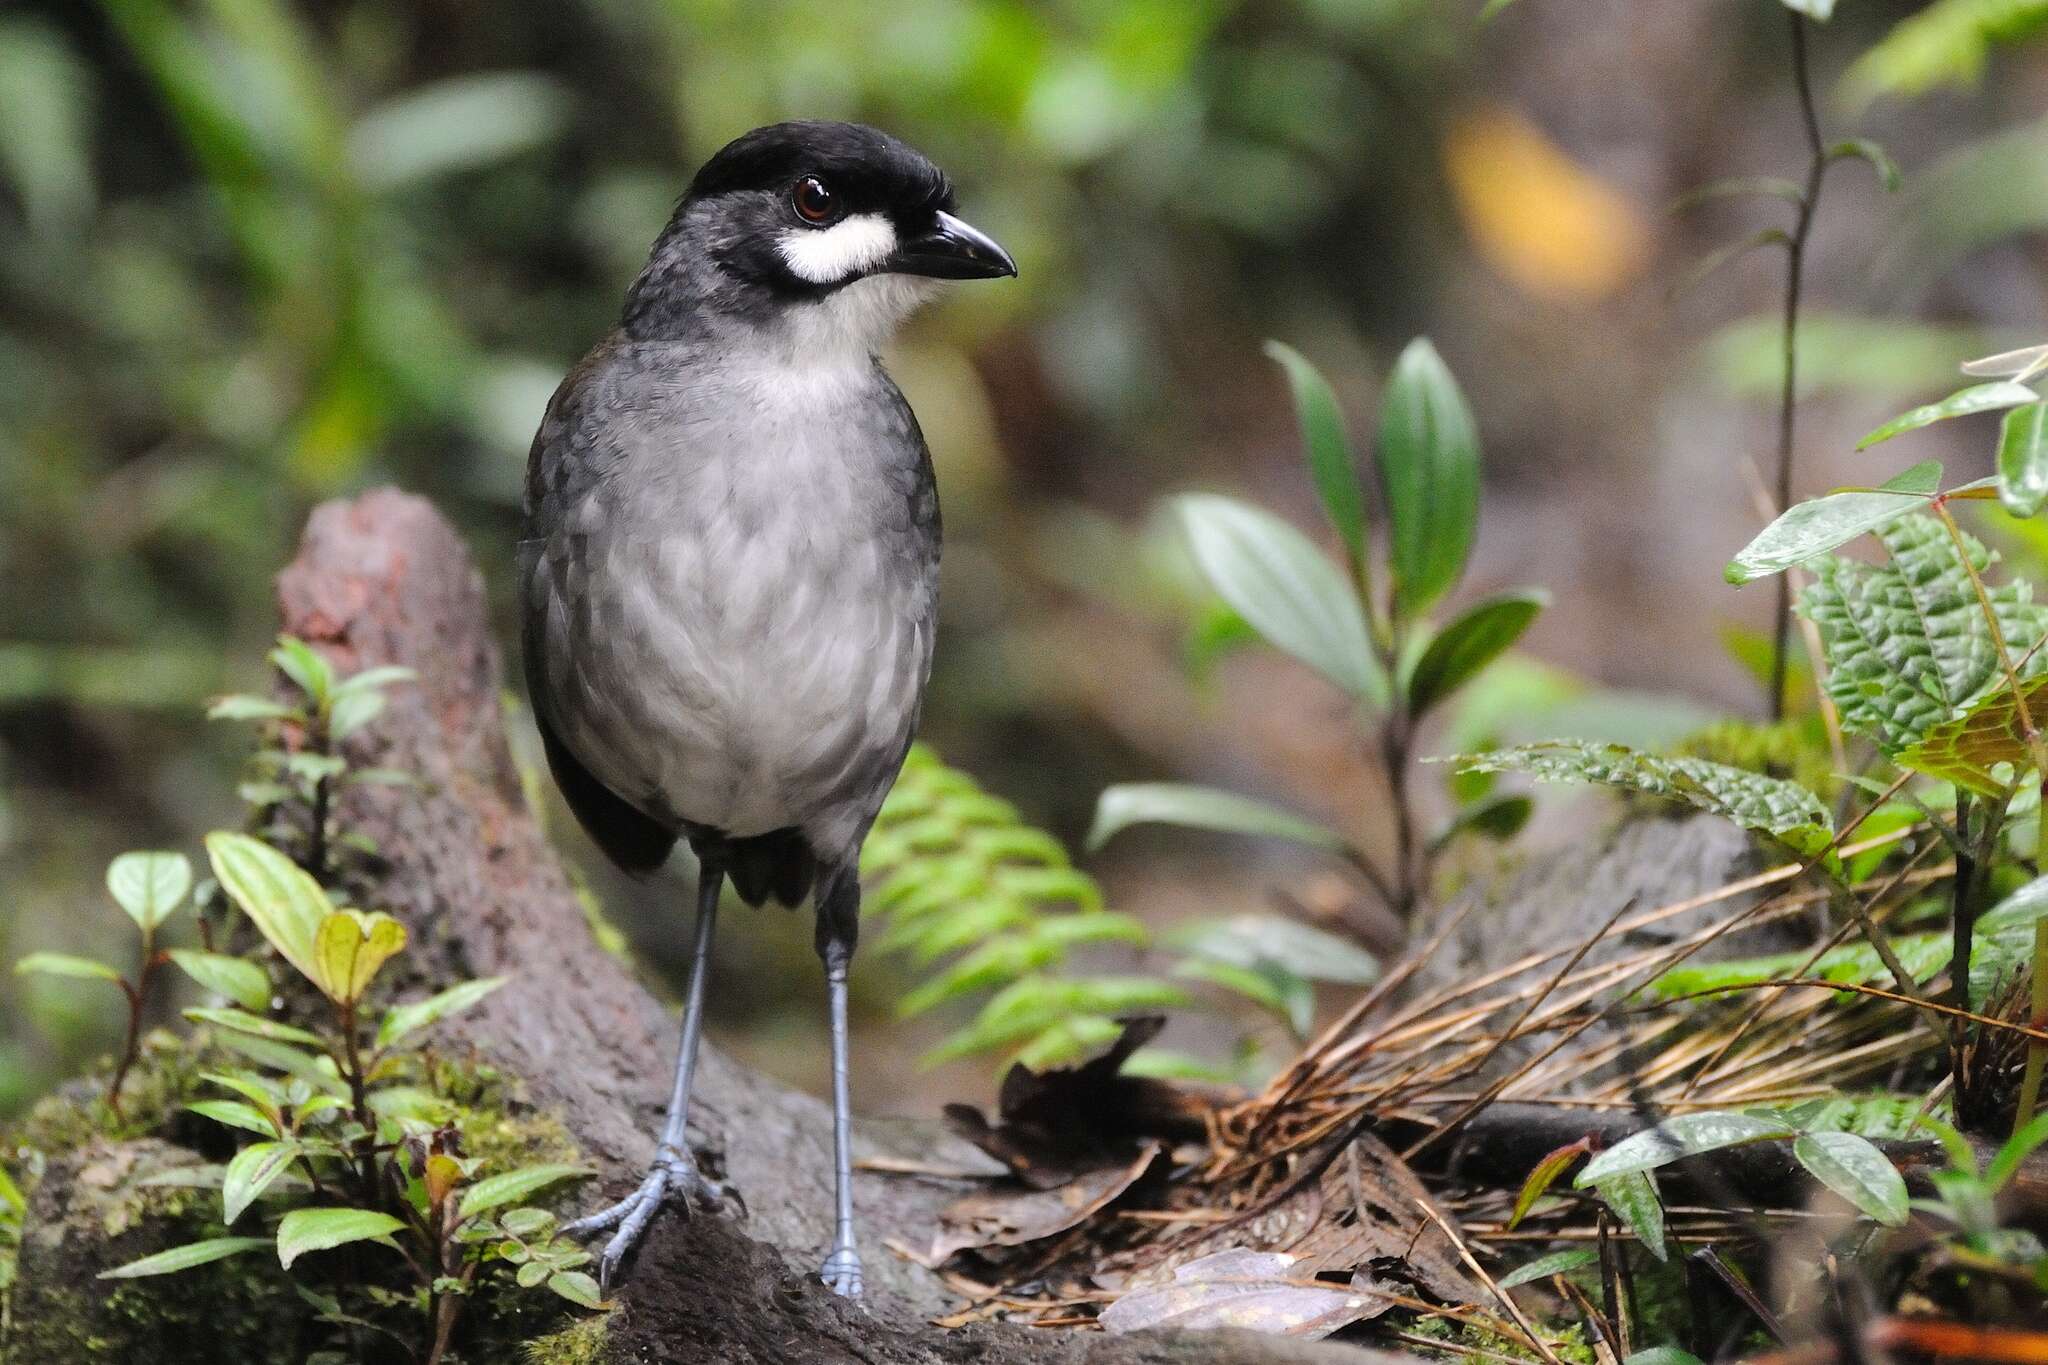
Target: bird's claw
674,1175
841,1272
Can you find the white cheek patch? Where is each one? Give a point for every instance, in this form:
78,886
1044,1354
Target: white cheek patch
847,248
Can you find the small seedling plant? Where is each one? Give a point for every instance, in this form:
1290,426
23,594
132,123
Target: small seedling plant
1364,621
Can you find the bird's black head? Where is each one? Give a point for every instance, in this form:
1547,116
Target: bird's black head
795,213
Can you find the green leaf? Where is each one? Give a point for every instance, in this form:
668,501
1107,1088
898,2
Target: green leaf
1471,642
374,679
235,1114
286,905
577,1287
1970,749
1195,807
305,666
2023,459
254,1169
514,1186
401,1020
2024,906
1251,940
242,706
1675,1138
149,886
455,123
1266,984
243,1022
1284,587
318,1072
351,712
1906,641
1543,1267
1633,1197
1782,809
2001,393
1855,1169
1810,529
304,1230
2016,1149
1499,819
1429,469
1544,1176
63,964
1864,150
349,948
185,1257
238,979
1330,458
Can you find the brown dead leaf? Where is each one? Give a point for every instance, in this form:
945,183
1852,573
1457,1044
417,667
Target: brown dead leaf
1259,1291
1008,1218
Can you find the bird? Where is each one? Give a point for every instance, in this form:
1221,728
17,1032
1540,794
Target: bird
729,567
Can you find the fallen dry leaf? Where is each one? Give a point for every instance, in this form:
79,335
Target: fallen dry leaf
1259,1291
1012,1218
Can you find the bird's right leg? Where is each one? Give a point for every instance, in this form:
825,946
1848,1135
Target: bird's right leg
674,1172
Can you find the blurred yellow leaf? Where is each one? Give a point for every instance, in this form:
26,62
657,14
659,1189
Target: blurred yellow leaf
350,948
1539,218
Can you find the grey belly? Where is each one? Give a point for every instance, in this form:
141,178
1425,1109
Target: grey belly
747,685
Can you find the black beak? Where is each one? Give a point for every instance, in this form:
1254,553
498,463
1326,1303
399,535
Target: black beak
951,250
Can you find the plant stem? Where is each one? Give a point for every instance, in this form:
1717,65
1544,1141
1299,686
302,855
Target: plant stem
138,996
1394,746
1788,400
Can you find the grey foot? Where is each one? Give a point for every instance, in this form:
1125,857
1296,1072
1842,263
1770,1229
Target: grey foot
674,1175
841,1272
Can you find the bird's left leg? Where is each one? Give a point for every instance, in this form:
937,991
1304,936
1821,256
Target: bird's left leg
838,927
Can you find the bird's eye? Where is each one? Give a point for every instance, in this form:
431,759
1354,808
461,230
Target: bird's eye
814,201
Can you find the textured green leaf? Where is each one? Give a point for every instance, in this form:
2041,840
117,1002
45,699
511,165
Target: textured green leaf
149,886
1676,1138
1196,807
64,964
2000,393
1856,1170
1809,529
1288,590
304,1230
1634,1198
237,978
2023,459
1969,749
1906,641
1471,642
1330,458
286,905
401,1020
511,1187
1429,469
2024,906
185,1257
1782,809
254,1169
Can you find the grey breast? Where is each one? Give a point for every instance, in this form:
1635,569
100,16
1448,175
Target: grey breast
731,583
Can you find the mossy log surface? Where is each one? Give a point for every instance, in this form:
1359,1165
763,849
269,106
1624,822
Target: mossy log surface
383,579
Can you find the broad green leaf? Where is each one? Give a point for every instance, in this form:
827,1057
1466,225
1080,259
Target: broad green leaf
64,964
1809,529
1968,749
1544,1176
1250,940
1471,642
242,706
149,886
265,1094
1266,984
401,1020
1906,641
241,1021
1288,590
305,666
1330,458
1856,1170
349,948
514,1186
1543,1267
304,1230
1675,1138
577,1287
351,712
1195,807
1782,809
2000,393
286,905
1429,469
1634,1198
238,979
2023,459
185,1257
254,1169
316,1071
2024,906
235,1114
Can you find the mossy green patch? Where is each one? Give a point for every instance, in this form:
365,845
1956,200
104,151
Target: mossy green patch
580,1343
